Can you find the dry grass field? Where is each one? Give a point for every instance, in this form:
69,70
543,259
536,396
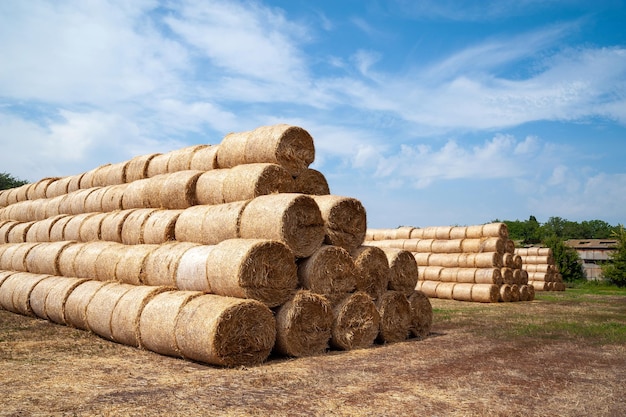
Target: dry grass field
562,354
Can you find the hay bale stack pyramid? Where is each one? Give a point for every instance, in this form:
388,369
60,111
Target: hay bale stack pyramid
220,254
543,273
466,263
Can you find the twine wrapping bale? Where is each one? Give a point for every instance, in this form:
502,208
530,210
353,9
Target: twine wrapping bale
445,290
191,273
485,293
67,259
57,298
245,182
137,168
312,182
85,260
505,293
303,325
345,220
210,187
71,231
372,270
127,312
93,202
44,258
91,228
209,225
395,317
20,286
289,146
462,292
293,219
77,302
113,197
100,308
160,226
157,322
421,314
132,229
356,322
329,270
204,158
112,224
158,165
260,269
131,267
162,263
402,270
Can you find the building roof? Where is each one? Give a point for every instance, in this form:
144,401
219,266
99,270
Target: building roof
581,244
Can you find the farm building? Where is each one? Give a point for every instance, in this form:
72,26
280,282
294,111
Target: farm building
593,253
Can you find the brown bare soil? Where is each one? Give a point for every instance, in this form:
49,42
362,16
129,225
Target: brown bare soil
562,354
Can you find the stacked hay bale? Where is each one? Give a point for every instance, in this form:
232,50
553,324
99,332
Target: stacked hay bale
219,254
465,263
543,273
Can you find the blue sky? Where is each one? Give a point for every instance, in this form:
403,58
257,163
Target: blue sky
429,112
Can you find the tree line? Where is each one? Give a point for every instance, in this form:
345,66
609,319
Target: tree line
532,232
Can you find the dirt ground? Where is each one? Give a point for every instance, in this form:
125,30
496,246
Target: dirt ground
506,359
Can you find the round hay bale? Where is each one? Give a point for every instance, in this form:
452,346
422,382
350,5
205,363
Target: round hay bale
77,200
113,198
57,298
160,226
132,229
137,168
91,229
458,232
162,263
157,322
499,230
135,194
485,293
474,232
71,231
515,294
245,182
446,246
40,231
87,179
293,219
462,292
486,259
210,187
18,255
428,287
372,270
429,232
430,273
422,259
509,247
106,262
395,317
210,225
93,202
446,275
21,285
410,245
524,294
100,308
112,224
191,273
424,245
6,291
5,228
180,159
345,220
329,270
442,232
488,276
507,275
444,290
39,295
356,322
158,165
417,233
312,182
178,190
57,230
531,292
517,262
85,260
38,190
517,276
204,158
466,275
127,312
421,314
22,192
303,325
289,146
58,187
448,260
77,301
53,205
67,259
507,260
112,174
260,269
131,267
539,285
18,233
505,293
44,258
225,331
402,270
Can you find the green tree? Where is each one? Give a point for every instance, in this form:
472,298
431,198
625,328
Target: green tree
566,259
9,181
615,271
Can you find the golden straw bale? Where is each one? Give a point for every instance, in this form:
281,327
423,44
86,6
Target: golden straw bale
517,262
485,293
507,275
424,245
430,273
131,267
462,292
127,312
447,246
524,294
14,257
303,325
40,230
91,228
4,198
158,165
71,231
515,294
22,192
5,228
372,270
507,260
474,232
137,168
293,219
505,293
245,182
422,259
428,287
132,229
467,275
135,194
446,275
225,331
312,182
497,229
356,322
75,313
260,269
429,232
67,259
87,179
402,270
191,273
85,260
93,202
395,317
180,159
100,308
162,263
58,187
458,232
489,276
113,197
157,323
486,259
38,190
531,292
210,225
112,225
39,295
44,258
329,270
289,146
421,314
479,245
204,158
510,247
345,220
57,230
53,205
178,190
107,261
18,232
210,187
112,174
19,287
445,290
160,226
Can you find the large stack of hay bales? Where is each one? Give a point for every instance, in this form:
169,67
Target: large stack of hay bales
465,263
219,254
543,273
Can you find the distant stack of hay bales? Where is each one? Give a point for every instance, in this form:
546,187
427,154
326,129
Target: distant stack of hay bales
465,263
543,273
216,253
